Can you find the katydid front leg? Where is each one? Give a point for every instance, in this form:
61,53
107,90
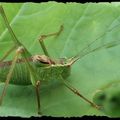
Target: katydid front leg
42,37
75,91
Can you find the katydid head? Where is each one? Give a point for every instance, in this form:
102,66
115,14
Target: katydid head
42,60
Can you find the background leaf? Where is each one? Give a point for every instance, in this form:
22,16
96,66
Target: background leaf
10,8
83,23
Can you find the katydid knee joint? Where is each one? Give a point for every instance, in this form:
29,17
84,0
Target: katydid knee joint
20,49
42,37
38,83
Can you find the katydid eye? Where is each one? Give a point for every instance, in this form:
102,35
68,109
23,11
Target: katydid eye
43,62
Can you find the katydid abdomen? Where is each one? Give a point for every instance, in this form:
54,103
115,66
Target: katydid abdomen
21,74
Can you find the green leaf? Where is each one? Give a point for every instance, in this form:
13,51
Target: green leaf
83,23
12,11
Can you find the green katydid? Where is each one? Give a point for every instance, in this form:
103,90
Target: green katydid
40,67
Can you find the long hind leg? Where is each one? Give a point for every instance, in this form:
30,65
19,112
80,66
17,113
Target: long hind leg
21,50
43,37
34,78
9,75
